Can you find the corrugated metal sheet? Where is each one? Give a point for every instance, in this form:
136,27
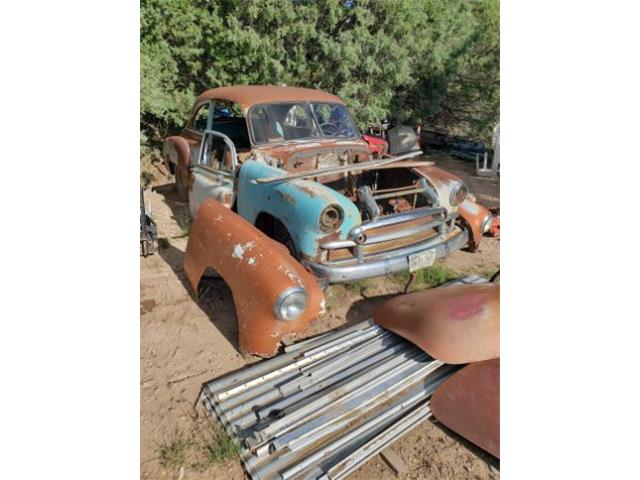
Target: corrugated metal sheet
327,404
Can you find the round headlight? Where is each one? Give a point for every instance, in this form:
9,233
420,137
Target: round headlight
486,223
291,304
458,194
331,218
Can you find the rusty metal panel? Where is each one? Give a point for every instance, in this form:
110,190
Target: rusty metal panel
257,269
248,95
474,215
469,404
458,324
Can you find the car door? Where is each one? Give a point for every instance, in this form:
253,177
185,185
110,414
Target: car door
213,171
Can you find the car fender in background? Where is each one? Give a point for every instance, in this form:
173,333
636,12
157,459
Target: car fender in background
257,269
475,215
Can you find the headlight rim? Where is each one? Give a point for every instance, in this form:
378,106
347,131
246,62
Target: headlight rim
283,296
454,192
329,228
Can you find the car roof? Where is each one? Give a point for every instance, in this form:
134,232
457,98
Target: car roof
248,95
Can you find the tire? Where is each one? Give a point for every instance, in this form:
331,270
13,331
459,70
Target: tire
181,183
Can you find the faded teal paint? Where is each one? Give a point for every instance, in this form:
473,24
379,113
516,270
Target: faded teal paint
296,203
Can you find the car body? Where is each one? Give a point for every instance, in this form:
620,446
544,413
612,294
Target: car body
292,162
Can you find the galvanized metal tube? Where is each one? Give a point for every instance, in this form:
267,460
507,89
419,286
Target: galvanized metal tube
351,339
290,464
255,393
346,390
305,386
394,411
319,427
327,382
378,443
265,366
320,352
323,426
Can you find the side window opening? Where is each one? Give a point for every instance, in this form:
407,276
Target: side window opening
216,154
228,118
201,118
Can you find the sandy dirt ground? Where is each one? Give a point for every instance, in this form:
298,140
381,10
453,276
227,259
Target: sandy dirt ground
185,344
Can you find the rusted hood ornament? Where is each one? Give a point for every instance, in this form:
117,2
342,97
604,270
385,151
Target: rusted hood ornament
458,324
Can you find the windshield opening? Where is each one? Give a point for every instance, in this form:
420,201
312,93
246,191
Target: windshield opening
282,122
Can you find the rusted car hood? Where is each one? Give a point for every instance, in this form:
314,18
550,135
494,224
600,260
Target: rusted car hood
459,324
291,152
469,404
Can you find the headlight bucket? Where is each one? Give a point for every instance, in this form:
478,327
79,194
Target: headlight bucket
458,194
291,304
331,218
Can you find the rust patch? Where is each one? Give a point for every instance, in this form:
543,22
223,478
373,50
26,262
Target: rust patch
473,214
469,404
257,270
459,324
287,197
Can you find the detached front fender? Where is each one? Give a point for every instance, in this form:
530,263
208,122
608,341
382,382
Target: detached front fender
256,268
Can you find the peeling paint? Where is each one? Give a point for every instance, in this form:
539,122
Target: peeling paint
238,249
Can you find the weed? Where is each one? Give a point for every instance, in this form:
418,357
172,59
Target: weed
174,453
145,178
435,275
357,287
163,243
428,277
221,448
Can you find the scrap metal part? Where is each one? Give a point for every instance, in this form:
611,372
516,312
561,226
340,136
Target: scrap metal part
148,230
469,404
328,404
258,271
456,325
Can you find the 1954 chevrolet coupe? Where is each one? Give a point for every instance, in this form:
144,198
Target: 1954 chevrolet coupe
292,163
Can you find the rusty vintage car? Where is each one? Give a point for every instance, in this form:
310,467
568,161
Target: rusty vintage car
292,162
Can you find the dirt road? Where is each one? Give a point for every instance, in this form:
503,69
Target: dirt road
185,344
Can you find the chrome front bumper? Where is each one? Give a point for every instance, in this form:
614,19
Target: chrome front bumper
378,264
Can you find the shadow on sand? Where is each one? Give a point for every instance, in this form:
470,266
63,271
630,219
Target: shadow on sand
215,298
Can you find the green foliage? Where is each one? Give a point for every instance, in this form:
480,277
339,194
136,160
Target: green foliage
221,448
357,287
431,61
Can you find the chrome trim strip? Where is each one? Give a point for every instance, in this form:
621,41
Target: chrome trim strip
227,140
397,218
383,237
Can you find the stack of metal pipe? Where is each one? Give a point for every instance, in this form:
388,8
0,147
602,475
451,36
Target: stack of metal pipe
328,404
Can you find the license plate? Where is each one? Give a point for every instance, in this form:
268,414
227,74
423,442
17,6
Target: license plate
421,260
